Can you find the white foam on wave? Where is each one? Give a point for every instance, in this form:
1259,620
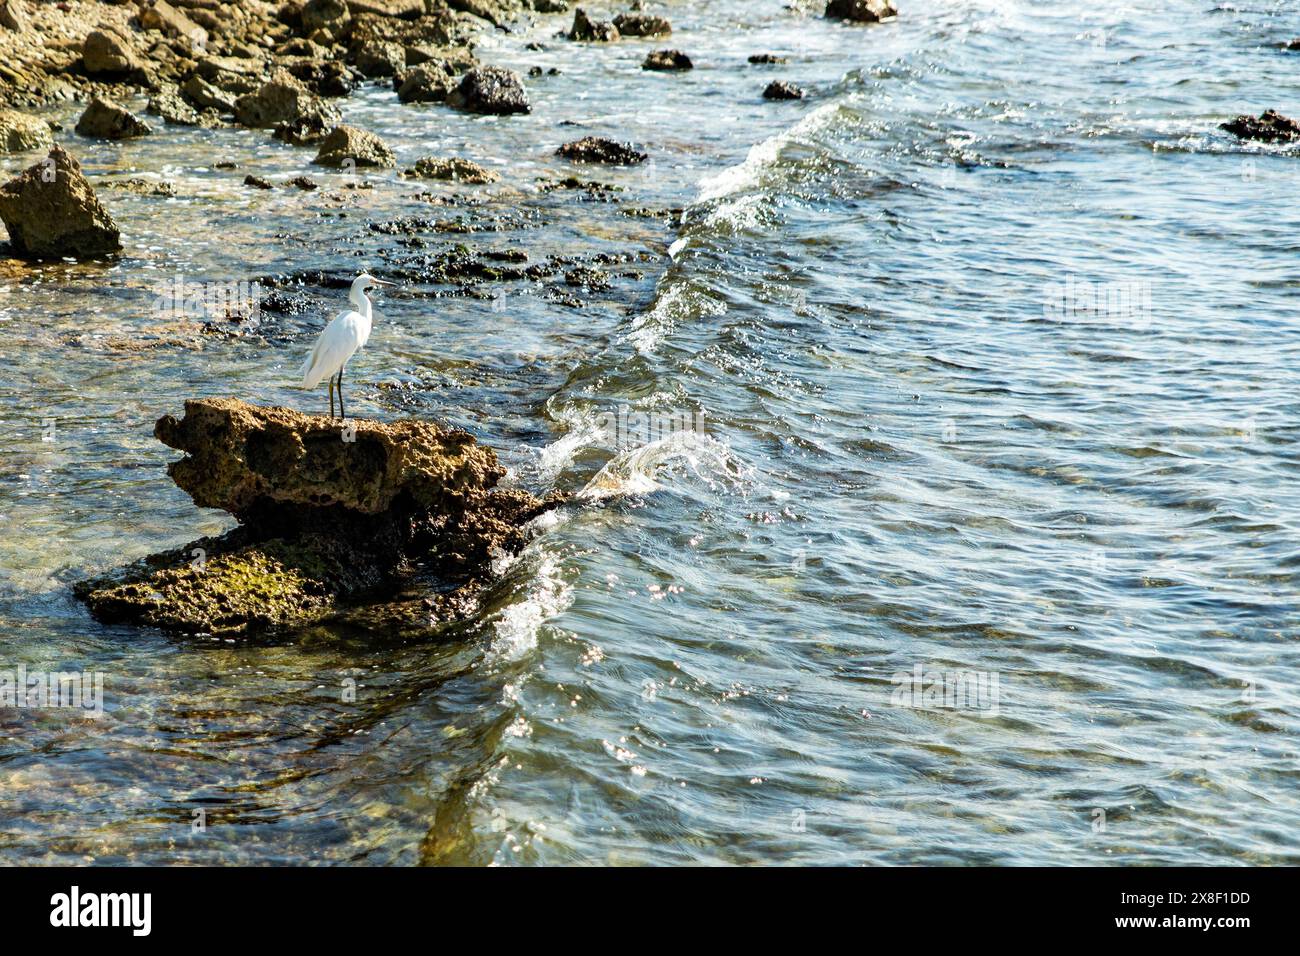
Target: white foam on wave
636,471
515,632
747,174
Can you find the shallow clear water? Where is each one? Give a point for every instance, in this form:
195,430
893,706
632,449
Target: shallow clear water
917,453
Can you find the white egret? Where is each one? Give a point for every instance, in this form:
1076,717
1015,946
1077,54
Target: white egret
346,333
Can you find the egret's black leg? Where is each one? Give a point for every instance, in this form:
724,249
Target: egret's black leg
331,396
342,413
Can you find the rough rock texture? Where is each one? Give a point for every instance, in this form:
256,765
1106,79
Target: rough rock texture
667,60
346,143
454,170
206,96
105,51
585,28
782,90
162,16
168,104
327,510
861,11
51,211
593,149
377,58
1269,127
281,100
767,59
642,25
104,119
20,132
431,82
490,89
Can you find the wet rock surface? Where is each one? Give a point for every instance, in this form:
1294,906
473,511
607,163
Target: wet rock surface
328,512
588,30
642,25
593,149
104,119
667,60
783,90
1269,127
349,146
20,132
452,169
490,89
861,11
50,211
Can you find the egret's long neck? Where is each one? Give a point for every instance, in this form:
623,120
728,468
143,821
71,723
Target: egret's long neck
361,302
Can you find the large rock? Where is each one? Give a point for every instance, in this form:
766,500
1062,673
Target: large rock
107,52
594,149
331,15
1269,127
51,211
586,29
348,143
642,25
104,119
326,510
490,89
379,58
162,16
861,11
432,82
283,99
20,132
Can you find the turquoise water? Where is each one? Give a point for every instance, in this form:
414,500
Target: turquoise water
994,341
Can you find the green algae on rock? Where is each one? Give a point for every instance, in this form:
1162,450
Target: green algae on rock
329,511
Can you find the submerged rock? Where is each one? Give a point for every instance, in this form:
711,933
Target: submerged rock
104,119
348,143
593,149
490,89
861,11
51,211
326,510
642,25
1269,127
283,99
667,60
20,132
767,59
587,29
782,90
454,169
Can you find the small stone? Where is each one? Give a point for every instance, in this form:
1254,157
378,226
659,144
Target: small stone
594,149
303,183
665,60
104,119
257,182
781,90
768,59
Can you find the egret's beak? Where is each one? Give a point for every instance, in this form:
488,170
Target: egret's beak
381,281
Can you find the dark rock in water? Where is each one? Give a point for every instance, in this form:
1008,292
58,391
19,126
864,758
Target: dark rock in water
642,25
764,59
490,89
304,183
1291,45
1269,127
108,52
20,132
431,82
309,128
667,60
781,90
861,11
324,77
104,119
51,211
594,149
348,145
142,187
587,29
453,170
257,182
327,510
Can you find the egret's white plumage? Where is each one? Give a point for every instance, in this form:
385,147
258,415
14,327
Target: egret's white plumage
346,332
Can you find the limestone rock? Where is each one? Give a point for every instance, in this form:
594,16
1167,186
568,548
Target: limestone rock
363,148
20,132
104,119
593,149
490,89
51,211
